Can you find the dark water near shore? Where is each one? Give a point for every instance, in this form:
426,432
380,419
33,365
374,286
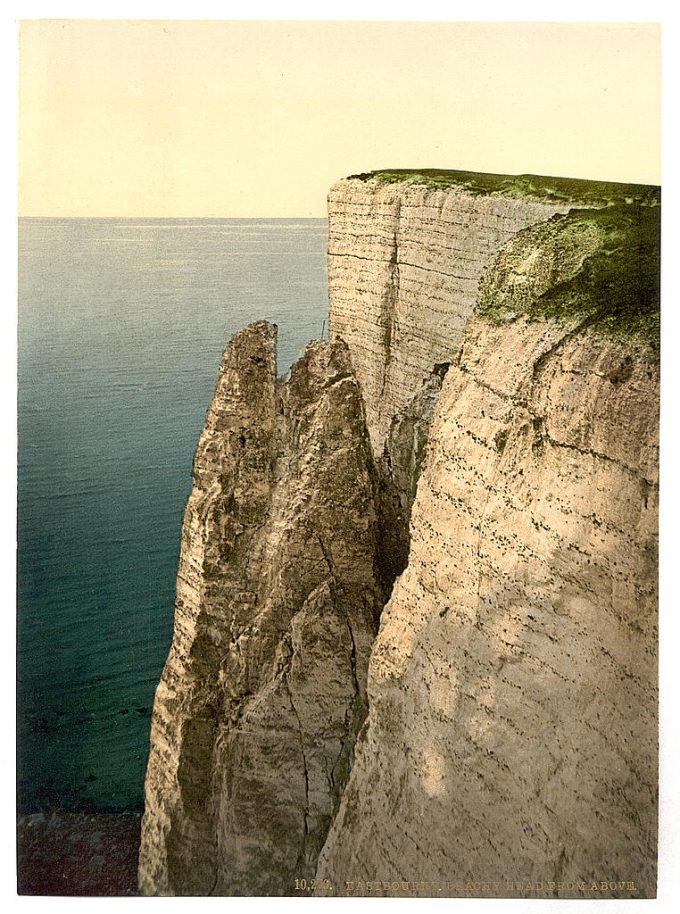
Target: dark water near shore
121,327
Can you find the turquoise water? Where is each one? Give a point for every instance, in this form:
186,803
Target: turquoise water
121,327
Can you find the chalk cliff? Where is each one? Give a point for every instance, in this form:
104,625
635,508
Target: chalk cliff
406,253
483,427
405,259
511,737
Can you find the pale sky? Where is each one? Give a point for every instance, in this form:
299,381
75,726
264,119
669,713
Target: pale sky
219,118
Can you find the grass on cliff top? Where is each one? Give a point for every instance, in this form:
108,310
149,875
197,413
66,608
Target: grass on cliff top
553,190
617,289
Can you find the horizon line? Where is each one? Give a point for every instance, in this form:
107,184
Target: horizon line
116,216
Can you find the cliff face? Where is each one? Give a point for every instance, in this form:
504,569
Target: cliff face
511,736
404,265
277,600
502,465
403,269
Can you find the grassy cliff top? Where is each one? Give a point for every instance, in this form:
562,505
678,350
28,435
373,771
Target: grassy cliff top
601,266
567,190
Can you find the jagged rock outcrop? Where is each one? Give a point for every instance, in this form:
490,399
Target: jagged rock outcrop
511,743
263,690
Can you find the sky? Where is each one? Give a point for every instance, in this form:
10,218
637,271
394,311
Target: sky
258,119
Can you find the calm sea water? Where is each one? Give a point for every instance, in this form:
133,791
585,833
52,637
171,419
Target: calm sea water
122,324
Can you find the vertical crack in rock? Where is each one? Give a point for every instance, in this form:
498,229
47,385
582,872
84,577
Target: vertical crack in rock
305,811
399,471
353,657
355,711
264,688
389,304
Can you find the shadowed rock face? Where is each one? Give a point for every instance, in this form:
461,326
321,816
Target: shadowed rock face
399,469
512,730
263,690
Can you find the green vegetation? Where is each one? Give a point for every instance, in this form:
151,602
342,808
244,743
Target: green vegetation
612,280
554,190
603,262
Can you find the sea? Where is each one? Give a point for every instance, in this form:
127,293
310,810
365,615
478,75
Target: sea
122,323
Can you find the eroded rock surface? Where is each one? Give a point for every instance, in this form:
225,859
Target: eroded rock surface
512,731
403,270
264,688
